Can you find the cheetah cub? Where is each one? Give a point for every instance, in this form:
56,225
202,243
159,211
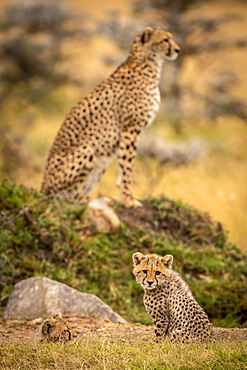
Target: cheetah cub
109,121
57,329
168,300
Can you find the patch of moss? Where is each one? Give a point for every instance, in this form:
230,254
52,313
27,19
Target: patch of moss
47,237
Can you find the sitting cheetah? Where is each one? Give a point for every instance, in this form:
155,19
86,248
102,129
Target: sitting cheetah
109,120
57,330
168,300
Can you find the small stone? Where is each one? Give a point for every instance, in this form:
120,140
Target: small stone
101,215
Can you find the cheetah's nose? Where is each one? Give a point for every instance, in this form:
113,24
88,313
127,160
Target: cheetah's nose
150,283
177,50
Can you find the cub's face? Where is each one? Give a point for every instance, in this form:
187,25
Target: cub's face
57,330
152,270
160,42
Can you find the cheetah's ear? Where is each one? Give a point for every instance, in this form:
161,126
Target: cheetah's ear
167,260
145,37
58,316
137,258
46,328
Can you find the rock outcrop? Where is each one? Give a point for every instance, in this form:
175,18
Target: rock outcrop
40,296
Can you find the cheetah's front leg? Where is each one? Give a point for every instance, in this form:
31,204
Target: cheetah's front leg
161,327
126,157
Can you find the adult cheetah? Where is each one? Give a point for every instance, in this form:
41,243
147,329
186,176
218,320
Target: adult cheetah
108,121
168,300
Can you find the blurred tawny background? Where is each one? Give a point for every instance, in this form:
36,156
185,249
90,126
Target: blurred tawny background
53,53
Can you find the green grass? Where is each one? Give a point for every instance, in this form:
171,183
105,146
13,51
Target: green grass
41,237
130,354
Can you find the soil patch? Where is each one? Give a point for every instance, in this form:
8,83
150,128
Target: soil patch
178,221
22,331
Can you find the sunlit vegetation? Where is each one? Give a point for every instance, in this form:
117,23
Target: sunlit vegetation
99,354
47,237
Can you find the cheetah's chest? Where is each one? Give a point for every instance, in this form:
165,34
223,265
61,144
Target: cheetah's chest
153,106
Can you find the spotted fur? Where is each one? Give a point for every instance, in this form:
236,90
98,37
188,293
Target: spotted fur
168,300
57,329
109,121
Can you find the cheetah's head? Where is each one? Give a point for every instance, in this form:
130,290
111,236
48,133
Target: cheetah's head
152,270
156,42
57,329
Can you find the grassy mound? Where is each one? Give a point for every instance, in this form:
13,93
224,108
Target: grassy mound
48,237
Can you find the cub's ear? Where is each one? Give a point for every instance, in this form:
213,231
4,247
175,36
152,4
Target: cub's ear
137,258
58,316
46,328
145,37
167,260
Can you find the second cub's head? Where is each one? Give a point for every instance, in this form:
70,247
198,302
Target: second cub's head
152,270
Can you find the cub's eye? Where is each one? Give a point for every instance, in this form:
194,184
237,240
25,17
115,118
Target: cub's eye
157,273
166,40
144,271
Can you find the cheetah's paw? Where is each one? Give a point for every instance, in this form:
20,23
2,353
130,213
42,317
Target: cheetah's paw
132,203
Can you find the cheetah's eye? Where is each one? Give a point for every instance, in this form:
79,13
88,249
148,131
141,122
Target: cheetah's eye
166,40
144,271
157,273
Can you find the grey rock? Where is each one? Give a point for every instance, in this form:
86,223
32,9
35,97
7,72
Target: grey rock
178,154
40,296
